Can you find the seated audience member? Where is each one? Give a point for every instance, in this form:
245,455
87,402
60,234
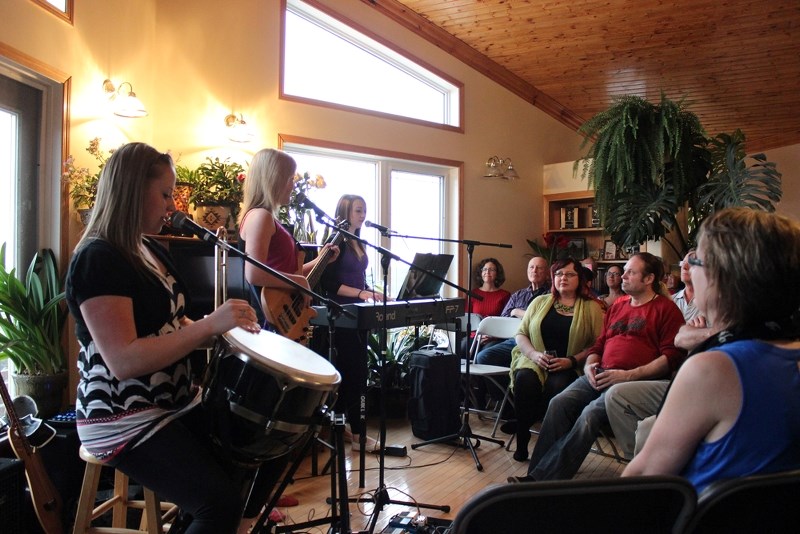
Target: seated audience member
734,409
614,283
631,406
539,278
637,343
487,279
567,321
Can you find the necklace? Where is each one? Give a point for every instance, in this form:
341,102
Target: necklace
561,308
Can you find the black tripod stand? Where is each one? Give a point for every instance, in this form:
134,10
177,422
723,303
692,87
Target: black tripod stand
465,434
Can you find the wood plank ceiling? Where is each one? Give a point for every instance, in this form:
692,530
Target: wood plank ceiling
737,62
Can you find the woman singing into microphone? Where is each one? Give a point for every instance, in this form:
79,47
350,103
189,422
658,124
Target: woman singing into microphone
345,283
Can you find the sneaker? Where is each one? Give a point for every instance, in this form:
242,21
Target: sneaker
287,500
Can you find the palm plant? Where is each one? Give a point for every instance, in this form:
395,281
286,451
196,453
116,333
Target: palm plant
648,162
32,315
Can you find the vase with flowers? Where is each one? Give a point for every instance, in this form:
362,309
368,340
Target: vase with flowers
82,182
217,192
554,247
299,219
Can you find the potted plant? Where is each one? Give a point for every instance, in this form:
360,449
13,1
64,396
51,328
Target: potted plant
216,192
298,220
648,162
82,182
32,317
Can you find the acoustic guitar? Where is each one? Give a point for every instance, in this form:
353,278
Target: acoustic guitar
286,309
45,497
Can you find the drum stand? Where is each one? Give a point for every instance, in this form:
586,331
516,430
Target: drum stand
340,513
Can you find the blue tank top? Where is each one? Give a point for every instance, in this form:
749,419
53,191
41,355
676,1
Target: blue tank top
766,436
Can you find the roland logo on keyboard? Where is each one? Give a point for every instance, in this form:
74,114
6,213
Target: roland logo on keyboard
390,316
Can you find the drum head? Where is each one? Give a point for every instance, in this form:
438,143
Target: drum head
271,351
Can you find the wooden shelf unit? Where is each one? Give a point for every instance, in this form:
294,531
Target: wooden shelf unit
595,236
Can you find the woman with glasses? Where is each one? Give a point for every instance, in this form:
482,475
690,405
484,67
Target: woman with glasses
614,283
552,343
487,279
733,409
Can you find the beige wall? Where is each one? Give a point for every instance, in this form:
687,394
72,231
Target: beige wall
192,62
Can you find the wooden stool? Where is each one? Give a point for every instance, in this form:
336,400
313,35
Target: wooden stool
152,509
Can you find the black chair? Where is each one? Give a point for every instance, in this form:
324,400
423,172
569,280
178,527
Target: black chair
758,503
616,505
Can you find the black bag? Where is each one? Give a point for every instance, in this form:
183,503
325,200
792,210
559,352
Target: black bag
435,392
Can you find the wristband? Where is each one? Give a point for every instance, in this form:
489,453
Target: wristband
574,361
359,293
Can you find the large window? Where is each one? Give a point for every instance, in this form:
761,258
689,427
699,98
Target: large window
327,61
407,196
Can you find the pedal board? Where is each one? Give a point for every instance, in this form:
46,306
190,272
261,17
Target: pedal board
412,523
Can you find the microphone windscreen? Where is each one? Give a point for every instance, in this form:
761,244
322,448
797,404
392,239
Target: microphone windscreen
178,219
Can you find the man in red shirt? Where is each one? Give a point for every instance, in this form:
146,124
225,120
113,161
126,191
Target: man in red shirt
637,343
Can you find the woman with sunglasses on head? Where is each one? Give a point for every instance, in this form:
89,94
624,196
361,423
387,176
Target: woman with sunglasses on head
743,383
567,321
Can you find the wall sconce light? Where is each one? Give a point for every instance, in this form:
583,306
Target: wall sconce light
500,168
238,130
126,103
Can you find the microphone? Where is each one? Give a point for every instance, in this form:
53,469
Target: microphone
180,220
305,202
382,229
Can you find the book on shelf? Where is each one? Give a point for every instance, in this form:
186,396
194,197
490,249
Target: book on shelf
594,216
569,218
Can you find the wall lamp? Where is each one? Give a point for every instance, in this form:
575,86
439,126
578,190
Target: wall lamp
126,103
238,130
500,168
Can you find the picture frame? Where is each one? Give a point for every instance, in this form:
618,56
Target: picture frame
609,250
576,248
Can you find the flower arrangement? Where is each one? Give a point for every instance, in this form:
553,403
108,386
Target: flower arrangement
216,182
552,244
293,215
82,182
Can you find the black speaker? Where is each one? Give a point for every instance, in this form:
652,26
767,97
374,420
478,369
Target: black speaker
12,495
434,404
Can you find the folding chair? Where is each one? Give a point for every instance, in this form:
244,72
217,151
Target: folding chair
758,503
502,328
458,325
652,504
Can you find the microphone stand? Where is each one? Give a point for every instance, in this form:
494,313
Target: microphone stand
465,434
381,495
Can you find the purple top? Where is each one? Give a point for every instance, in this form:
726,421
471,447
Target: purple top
348,270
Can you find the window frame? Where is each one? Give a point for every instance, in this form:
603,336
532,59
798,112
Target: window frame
67,15
452,210
459,106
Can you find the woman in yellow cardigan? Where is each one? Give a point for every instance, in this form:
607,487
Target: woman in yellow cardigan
567,321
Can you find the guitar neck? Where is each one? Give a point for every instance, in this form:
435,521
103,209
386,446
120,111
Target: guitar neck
323,261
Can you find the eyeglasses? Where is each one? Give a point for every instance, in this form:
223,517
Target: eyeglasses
611,274
488,270
694,260
561,274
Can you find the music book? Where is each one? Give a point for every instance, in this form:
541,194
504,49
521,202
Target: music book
418,284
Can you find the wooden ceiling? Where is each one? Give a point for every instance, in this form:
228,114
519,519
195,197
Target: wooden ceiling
737,62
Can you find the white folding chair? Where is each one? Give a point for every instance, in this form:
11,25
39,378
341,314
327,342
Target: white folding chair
501,328
459,325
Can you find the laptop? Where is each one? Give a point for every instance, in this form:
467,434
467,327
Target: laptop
418,284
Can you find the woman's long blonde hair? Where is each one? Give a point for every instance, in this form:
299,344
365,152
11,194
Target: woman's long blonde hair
265,180
117,212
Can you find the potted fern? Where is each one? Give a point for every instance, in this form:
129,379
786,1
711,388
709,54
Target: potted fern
648,162
217,192
32,318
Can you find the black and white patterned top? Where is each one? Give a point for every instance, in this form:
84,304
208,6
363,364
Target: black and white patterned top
113,413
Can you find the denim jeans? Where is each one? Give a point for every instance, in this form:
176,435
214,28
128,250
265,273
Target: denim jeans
573,421
499,354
